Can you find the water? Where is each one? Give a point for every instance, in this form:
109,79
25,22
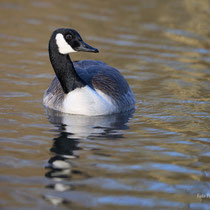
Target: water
157,156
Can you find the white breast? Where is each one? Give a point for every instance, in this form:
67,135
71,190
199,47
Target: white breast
87,101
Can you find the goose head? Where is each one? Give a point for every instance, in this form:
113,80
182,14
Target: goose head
69,40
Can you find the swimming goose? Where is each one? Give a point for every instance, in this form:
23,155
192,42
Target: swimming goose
85,87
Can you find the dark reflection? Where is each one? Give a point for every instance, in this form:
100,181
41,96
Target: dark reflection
71,130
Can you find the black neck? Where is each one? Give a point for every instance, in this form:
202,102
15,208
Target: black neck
64,69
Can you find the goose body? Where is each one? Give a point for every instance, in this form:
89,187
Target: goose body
84,87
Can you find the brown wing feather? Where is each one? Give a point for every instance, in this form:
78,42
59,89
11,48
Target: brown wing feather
54,95
107,79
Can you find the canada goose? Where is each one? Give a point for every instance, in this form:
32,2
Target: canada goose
85,87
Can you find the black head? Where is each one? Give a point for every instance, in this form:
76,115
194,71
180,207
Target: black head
68,41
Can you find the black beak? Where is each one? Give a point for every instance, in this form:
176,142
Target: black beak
86,48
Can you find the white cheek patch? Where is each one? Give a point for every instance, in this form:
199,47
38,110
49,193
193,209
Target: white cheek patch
63,46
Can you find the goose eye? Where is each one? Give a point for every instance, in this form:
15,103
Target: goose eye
68,36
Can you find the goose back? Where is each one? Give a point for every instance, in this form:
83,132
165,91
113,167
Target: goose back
98,76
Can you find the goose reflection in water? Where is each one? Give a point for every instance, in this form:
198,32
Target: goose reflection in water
73,129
